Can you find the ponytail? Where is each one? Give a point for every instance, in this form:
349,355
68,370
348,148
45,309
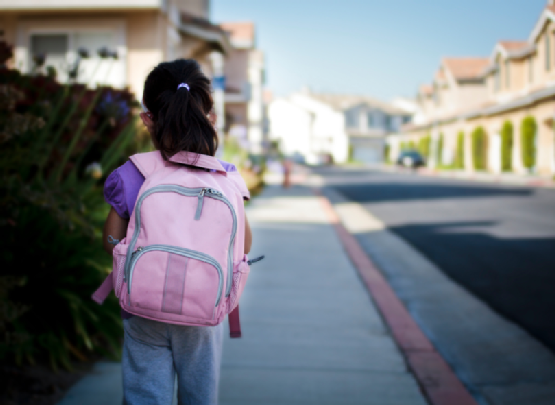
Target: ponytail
178,96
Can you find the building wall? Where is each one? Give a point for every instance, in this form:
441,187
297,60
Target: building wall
541,74
236,69
145,47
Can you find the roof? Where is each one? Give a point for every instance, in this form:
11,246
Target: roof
67,5
343,102
511,46
241,34
548,13
201,28
426,89
465,68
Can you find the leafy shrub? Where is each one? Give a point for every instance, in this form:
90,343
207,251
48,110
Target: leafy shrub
528,129
58,143
412,145
387,153
424,146
459,158
507,146
439,150
479,149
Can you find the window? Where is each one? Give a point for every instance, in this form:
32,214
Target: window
496,80
530,69
507,74
352,119
387,123
53,48
435,94
547,52
370,119
61,52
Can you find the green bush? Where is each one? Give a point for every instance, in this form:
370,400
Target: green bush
439,150
479,149
424,146
528,129
387,153
459,158
507,146
412,145
58,144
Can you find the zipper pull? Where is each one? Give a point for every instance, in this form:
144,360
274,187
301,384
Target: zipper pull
199,205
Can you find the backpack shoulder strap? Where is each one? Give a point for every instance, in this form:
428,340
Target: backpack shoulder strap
240,184
148,162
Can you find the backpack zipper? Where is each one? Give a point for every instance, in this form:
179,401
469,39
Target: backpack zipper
193,254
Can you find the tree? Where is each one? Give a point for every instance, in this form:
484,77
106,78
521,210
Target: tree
507,146
479,149
528,130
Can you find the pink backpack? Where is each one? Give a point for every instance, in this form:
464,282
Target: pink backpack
182,260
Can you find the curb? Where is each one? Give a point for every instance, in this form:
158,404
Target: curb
437,380
538,182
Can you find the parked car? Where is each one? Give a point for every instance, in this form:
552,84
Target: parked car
411,158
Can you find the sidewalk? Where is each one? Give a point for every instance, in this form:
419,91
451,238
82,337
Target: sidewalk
311,333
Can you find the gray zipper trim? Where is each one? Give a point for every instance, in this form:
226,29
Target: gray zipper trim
193,254
190,192
219,196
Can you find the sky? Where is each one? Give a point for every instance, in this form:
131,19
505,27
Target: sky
378,48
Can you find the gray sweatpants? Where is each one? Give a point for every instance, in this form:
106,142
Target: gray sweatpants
153,352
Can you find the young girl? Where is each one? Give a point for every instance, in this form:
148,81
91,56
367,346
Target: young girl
178,107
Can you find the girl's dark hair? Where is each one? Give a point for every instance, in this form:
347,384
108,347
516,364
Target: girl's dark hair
180,115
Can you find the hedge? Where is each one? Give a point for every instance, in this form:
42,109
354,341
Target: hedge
479,149
507,146
528,129
387,153
459,158
424,146
59,143
439,150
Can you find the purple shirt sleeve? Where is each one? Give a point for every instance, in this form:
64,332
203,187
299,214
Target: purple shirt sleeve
229,167
122,188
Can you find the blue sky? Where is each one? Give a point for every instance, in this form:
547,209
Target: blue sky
379,48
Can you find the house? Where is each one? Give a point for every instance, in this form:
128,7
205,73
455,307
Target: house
244,81
512,91
457,86
322,126
135,36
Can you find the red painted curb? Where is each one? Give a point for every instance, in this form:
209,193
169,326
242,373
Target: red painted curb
437,380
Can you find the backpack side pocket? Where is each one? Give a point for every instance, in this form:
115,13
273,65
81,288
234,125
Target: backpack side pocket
120,254
240,276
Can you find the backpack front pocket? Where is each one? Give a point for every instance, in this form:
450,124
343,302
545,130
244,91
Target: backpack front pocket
175,280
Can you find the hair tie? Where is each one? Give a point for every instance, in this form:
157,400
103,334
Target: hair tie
183,85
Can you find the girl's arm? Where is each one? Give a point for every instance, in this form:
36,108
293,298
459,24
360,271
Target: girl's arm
114,226
248,236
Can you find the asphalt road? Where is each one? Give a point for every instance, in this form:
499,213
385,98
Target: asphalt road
497,241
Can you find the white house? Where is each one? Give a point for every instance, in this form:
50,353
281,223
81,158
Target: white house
318,126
